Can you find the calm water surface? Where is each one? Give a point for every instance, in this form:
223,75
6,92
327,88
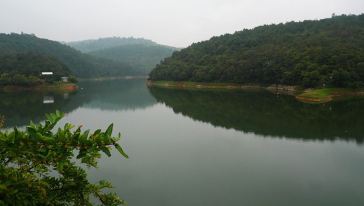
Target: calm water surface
214,147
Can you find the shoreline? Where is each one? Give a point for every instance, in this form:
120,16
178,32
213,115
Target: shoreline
67,87
311,95
280,89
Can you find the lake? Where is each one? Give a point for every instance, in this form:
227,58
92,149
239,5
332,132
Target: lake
191,147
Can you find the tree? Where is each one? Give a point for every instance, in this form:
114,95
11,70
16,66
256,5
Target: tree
304,53
38,166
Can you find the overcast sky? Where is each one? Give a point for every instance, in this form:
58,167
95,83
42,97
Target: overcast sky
171,22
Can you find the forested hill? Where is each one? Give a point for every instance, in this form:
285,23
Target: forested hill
82,65
142,58
105,43
328,52
25,69
141,54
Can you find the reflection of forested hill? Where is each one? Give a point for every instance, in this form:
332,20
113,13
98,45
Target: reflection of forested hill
19,108
267,114
117,94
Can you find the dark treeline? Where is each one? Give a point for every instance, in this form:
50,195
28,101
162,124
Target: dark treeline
328,52
81,65
25,69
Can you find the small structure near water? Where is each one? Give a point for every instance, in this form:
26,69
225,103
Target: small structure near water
47,73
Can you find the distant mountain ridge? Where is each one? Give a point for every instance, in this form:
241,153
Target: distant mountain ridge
143,58
91,45
141,54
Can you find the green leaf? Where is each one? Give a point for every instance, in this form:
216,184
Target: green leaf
109,130
97,132
121,151
31,130
39,152
106,151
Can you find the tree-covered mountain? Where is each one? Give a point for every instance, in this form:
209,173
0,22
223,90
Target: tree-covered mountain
109,42
25,69
328,52
142,58
141,54
82,65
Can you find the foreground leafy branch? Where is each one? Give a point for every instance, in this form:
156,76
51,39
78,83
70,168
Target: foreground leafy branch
43,166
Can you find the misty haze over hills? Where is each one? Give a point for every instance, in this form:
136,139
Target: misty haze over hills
141,54
108,42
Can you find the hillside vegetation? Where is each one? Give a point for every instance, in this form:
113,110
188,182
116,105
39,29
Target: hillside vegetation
141,54
109,42
321,53
82,65
142,58
25,69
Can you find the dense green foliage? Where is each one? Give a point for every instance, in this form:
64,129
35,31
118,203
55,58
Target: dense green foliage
264,113
142,58
43,166
26,69
105,43
82,65
328,52
142,55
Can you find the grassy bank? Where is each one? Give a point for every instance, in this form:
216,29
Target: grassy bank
59,86
319,95
323,95
282,89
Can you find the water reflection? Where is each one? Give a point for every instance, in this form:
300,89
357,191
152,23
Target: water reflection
19,108
174,157
260,113
267,114
117,95
48,100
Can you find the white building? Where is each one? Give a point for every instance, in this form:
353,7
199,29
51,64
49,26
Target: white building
47,73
